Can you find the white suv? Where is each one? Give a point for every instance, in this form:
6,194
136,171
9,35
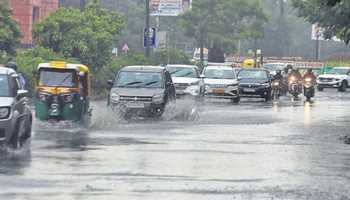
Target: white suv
338,77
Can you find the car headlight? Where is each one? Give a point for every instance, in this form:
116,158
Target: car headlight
43,97
193,90
4,112
266,84
115,98
159,98
68,98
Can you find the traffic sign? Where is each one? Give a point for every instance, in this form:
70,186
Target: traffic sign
125,48
150,37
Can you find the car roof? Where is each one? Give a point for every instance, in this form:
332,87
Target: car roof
253,69
219,67
184,66
143,68
6,71
341,67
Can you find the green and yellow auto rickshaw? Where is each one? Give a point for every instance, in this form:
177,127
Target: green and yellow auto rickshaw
62,92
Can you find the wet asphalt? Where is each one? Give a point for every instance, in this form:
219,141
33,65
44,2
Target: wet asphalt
254,150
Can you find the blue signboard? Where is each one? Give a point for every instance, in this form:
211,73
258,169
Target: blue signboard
151,38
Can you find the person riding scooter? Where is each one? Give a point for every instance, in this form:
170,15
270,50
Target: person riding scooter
295,83
309,82
311,75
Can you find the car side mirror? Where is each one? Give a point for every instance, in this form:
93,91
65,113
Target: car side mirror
110,83
22,93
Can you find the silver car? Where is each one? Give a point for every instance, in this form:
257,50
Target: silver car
187,81
15,115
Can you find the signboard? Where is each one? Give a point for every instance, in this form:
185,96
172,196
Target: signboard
151,37
169,7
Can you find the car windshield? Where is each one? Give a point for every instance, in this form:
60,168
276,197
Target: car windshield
341,71
183,72
216,73
252,74
4,86
57,78
139,80
273,67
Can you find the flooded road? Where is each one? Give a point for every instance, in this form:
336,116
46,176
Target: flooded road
255,150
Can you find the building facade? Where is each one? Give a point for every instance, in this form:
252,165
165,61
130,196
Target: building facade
27,12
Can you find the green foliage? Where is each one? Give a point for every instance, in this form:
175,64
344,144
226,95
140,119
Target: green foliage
127,60
333,15
88,35
9,32
223,22
169,56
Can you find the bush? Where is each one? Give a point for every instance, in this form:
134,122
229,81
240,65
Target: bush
169,56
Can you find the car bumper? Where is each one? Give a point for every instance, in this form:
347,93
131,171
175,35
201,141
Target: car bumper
139,107
334,84
6,130
222,93
261,92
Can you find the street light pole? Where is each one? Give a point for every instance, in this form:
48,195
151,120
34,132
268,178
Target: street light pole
147,26
82,5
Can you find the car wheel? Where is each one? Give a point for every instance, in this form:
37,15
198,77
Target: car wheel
15,142
28,132
320,89
343,87
236,100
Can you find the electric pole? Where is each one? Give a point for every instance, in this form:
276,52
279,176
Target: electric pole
82,5
147,26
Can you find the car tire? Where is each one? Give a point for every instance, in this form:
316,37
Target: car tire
28,132
320,89
343,87
15,142
236,100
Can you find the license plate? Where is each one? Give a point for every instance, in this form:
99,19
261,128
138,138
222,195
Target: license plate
248,90
135,105
219,91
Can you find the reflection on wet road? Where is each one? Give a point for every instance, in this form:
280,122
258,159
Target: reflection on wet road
255,150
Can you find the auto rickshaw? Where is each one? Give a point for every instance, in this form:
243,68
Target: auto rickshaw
62,92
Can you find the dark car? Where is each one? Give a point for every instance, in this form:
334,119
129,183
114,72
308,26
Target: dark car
141,90
15,115
255,83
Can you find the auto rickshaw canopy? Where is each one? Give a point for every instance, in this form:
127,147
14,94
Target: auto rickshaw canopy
64,65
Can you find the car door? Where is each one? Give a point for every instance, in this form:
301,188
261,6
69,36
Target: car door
20,103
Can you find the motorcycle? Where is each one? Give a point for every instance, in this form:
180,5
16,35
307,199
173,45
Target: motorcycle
309,88
276,89
294,87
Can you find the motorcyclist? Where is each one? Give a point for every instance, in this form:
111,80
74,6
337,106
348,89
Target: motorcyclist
295,73
310,74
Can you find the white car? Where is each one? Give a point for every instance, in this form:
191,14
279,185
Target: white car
338,77
221,83
187,81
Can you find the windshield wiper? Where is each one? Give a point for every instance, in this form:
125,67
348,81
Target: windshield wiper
151,83
64,80
131,83
186,75
176,71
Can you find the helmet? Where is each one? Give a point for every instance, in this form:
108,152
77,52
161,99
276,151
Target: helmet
12,65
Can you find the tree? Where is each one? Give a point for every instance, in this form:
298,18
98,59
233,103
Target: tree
332,15
9,31
221,23
88,35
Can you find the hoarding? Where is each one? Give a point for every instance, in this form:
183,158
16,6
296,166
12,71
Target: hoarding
169,7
